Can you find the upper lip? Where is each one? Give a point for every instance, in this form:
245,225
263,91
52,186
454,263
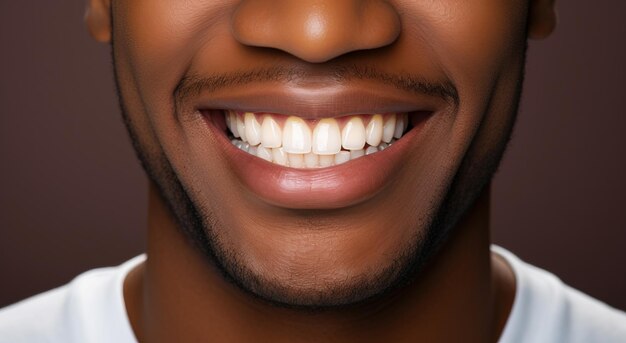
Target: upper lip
318,101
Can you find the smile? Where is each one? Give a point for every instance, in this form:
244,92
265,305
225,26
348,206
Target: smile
288,148
298,143
315,163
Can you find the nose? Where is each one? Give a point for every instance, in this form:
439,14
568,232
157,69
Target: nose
316,30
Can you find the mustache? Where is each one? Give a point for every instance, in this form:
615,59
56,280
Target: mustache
194,84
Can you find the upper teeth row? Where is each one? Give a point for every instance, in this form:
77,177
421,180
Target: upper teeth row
326,138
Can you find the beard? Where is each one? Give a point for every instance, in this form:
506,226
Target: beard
202,227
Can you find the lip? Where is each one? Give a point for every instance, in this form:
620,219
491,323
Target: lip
319,101
333,187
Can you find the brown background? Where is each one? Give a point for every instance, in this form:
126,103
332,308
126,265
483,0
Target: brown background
73,197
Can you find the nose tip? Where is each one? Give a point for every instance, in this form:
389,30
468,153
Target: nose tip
316,30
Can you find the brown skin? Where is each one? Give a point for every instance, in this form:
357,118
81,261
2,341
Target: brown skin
463,293
174,298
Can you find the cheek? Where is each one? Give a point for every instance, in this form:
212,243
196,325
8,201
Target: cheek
472,37
159,39
159,32
156,41
477,44
472,41
486,41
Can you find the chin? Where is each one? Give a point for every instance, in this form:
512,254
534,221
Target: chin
319,273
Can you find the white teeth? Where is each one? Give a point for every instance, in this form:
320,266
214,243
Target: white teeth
297,146
253,129
271,134
397,133
354,154
252,150
232,122
326,137
311,160
279,156
296,136
326,160
370,150
342,157
374,130
264,153
241,128
389,128
353,134
296,160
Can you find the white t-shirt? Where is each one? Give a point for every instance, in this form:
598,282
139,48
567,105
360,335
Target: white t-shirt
91,309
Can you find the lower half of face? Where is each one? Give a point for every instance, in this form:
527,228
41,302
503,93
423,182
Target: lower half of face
319,175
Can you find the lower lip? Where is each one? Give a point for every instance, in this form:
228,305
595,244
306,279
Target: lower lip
333,187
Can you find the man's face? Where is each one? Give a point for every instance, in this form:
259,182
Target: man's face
335,233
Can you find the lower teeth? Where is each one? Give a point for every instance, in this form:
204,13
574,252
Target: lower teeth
309,160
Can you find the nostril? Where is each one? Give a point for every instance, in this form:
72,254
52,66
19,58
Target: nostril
316,30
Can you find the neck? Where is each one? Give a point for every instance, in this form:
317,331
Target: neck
177,296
